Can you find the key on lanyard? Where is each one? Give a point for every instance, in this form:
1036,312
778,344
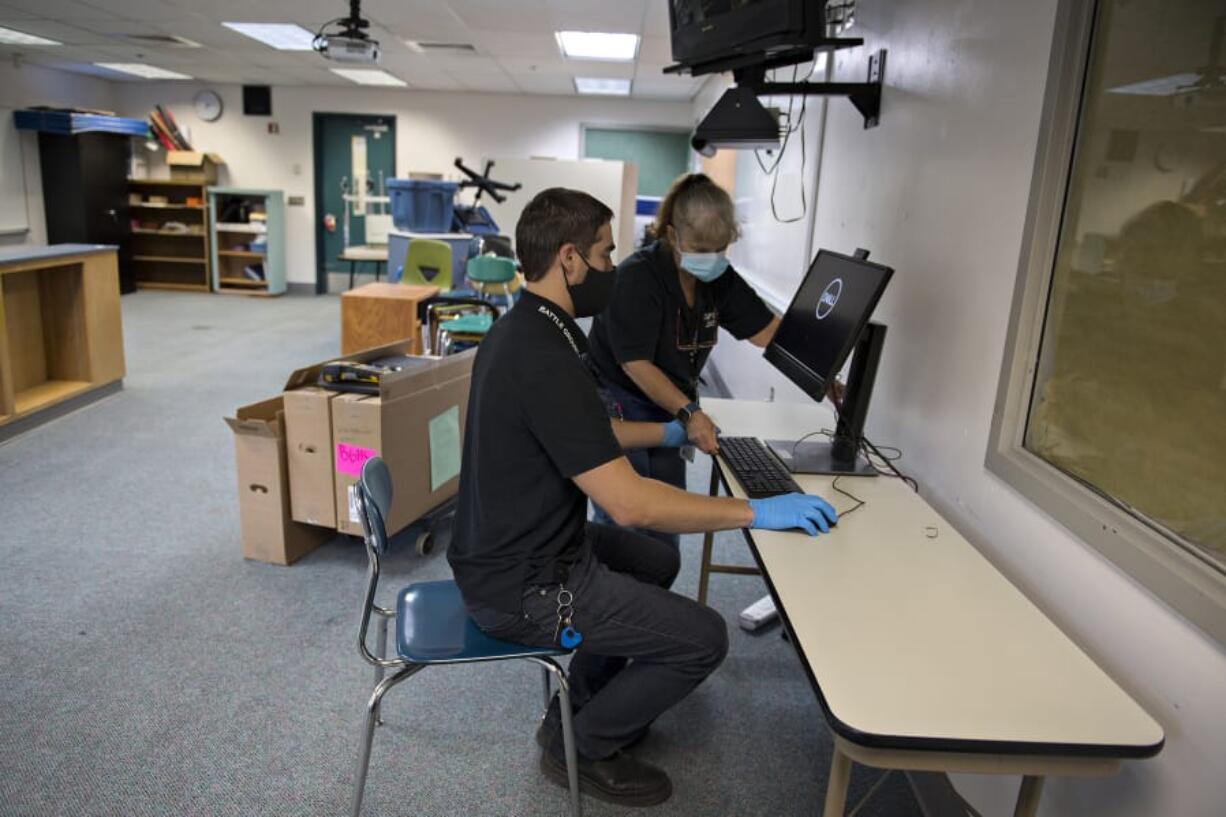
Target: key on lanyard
565,633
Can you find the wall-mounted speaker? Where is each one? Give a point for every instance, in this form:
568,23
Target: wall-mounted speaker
257,100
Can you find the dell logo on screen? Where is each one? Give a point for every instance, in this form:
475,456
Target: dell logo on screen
830,297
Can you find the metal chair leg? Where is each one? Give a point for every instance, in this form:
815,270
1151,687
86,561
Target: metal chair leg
381,651
708,542
548,687
568,734
568,742
372,707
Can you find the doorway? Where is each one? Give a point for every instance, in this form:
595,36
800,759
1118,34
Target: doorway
340,142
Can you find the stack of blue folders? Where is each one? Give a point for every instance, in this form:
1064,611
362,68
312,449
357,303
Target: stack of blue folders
69,123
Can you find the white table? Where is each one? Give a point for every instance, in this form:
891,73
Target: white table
923,656
372,253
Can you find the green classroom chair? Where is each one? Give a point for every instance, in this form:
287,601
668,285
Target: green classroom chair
492,270
428,263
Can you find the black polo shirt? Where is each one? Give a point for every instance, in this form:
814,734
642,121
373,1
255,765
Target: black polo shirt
649,319
534,422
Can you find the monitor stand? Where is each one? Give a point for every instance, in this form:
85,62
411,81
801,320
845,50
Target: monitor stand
841,454
820,458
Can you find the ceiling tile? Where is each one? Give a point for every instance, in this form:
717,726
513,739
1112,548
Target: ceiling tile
154,11
530,65
656,49
544,84
65,10
496,83
66,34
655,21
12,14
539,44
609,70
500,15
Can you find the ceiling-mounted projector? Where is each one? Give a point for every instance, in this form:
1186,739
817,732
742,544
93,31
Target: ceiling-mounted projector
349,42
738,120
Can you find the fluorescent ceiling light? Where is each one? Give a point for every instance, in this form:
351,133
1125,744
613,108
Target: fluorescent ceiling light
369,76
140,69
281,36
10,37
592,45
608,87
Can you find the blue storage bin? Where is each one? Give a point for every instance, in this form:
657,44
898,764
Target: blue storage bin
422,206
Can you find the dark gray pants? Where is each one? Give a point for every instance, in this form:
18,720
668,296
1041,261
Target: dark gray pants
644,648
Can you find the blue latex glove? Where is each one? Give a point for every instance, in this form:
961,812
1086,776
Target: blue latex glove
674,435
789,511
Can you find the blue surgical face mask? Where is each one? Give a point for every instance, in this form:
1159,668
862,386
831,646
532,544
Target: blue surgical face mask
705,266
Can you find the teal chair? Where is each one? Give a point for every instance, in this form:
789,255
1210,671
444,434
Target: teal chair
492,271
428,263
463,332
433,629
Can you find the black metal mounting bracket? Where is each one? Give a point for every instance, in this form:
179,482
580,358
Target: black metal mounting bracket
866,96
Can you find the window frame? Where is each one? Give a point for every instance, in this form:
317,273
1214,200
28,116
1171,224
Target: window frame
1176,574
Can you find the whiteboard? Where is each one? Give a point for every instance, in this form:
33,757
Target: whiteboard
611,182
13,216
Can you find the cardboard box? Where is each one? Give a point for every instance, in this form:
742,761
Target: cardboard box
308,446
269,533
416,424
193,166
308,439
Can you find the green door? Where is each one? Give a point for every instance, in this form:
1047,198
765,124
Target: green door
340,141
661,156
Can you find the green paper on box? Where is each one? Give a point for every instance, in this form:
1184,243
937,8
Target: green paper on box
444,447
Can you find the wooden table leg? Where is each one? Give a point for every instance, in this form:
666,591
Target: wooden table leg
1028,797
836,786
708,541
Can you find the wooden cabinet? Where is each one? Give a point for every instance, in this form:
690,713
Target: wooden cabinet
170,245
61,334
378,314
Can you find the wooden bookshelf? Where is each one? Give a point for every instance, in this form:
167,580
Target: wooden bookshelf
169,258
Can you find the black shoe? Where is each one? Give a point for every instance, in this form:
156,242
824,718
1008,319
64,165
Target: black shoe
620,779
551,728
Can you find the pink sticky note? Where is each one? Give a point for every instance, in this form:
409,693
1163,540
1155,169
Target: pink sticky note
350,458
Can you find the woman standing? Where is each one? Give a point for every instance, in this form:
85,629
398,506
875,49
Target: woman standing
670,299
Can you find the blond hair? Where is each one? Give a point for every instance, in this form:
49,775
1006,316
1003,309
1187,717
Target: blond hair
698,207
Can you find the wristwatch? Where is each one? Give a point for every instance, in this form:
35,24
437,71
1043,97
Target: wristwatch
686,412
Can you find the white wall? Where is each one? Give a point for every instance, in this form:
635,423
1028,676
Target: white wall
25,85
939,191
432,128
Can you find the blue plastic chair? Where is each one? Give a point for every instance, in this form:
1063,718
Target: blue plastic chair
433,627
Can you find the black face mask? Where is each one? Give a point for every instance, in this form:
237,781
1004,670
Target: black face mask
592,296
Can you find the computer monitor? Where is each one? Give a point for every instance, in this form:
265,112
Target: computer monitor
827,320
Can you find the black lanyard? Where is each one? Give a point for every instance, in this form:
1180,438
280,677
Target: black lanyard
547,311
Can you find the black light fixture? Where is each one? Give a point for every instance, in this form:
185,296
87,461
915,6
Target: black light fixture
739,121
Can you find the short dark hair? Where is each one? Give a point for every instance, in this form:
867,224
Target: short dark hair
554,217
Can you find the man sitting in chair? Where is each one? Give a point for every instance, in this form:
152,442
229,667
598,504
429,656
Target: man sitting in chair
532,570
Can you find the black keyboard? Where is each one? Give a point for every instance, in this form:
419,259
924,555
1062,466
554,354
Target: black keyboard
758,470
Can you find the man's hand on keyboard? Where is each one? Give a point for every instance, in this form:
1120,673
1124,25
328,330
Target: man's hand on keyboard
788,511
